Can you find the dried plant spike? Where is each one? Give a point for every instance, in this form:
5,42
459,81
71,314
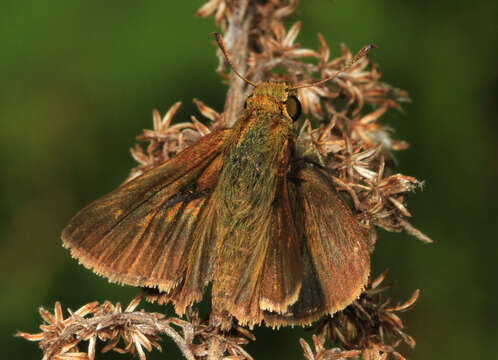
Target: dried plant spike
206,111
134,303
201,128
166,121
407,304
415,232
379,279
221,44
91,347
348,140
30,337
308,353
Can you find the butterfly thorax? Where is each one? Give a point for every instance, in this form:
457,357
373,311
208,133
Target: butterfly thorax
269,98
274,89
259,149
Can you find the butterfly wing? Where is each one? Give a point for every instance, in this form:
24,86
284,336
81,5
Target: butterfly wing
335,257
281,280
145,232
283,251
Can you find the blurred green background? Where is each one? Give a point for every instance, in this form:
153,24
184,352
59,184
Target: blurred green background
79,80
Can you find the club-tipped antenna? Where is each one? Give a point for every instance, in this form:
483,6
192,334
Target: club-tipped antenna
221,44
363,52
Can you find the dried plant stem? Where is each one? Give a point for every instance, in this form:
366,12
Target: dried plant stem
179,341
216,348
237,40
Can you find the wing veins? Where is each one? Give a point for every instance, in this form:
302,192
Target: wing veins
170,202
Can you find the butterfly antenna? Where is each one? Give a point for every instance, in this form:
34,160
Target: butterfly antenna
221,44
363,52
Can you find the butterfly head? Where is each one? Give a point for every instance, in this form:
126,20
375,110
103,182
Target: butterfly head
276,97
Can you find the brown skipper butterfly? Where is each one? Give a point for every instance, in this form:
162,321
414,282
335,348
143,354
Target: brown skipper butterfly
238,209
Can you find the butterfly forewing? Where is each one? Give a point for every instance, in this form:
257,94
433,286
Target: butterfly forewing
141,233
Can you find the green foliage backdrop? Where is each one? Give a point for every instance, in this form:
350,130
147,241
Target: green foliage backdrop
79,80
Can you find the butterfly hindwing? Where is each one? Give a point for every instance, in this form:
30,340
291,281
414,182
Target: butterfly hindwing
335,257
282,277
337,245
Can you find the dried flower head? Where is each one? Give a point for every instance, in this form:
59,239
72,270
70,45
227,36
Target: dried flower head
130,331
369,327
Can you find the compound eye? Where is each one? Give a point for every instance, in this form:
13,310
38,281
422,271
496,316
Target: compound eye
293,107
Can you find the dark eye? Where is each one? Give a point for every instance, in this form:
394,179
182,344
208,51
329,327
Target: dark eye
293,107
